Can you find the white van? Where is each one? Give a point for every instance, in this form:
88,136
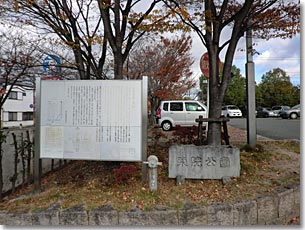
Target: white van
179,112
231,111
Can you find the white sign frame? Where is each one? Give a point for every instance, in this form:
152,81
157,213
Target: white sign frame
37,122
70,124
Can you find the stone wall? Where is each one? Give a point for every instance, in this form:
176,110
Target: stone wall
271,209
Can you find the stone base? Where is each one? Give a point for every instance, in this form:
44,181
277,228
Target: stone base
203,162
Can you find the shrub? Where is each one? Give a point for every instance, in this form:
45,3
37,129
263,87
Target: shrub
187,135
124,172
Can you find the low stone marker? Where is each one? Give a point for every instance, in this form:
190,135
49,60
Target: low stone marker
153,163
203,162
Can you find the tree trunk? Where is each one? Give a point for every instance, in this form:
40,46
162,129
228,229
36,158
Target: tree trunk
118,66
214,134
154,102
22,154
29,156
80,65
214,129
14,177
215,99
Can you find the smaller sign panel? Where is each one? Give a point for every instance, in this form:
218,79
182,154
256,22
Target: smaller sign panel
51,64
204,65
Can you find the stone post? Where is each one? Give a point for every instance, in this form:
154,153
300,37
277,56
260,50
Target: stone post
153,163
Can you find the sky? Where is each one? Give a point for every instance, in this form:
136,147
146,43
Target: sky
274,53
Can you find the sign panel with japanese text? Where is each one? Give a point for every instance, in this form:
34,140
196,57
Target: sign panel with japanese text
91,120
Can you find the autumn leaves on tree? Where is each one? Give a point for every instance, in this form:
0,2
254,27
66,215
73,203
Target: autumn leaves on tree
166,63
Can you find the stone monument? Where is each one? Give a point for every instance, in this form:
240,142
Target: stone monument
204,162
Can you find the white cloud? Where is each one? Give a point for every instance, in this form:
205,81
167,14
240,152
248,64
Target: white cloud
198,49
279,53
274,53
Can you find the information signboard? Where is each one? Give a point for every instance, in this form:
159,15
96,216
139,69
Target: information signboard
91,120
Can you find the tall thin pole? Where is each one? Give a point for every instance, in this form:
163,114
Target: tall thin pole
208,105
144,127
250,76
37,160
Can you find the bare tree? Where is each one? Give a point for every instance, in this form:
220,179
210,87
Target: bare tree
19,57
76,23
121,25
88,27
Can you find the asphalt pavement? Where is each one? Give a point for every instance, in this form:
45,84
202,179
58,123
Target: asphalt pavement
274,128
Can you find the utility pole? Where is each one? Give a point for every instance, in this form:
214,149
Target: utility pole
251,116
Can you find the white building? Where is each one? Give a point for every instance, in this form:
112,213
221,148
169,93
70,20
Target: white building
18,108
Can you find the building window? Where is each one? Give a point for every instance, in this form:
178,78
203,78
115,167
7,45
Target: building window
27,116
13,95
12,116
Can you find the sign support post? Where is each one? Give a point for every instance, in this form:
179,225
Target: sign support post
37,160
144,127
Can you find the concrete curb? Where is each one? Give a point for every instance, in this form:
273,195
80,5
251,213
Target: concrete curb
269,209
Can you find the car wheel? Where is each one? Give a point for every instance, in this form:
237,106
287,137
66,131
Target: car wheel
293,116
166,126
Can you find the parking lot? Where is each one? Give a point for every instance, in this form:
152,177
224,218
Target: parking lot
275,128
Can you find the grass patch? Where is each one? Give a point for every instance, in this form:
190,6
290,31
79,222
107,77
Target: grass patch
256,149
293,146
253,158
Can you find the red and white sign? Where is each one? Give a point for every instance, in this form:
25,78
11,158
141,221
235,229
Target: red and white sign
204,65
3,91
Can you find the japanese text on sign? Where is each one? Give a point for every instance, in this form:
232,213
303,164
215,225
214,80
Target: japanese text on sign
96,120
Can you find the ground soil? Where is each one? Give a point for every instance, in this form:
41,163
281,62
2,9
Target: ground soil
270,166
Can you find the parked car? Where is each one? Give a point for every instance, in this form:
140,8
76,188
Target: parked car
230,111
265,112
279,109
292,113
179,112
